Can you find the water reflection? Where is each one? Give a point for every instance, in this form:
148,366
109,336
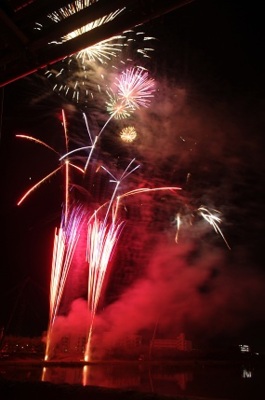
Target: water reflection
144,378
207,381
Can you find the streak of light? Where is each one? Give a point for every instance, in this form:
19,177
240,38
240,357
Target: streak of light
37,141
213,220
65,241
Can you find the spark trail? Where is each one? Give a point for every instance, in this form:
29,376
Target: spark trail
65,165
65,241
102,238
214,220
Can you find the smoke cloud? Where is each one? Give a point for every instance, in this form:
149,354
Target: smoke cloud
196,285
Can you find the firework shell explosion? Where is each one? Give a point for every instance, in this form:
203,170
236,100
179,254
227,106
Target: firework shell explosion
84,77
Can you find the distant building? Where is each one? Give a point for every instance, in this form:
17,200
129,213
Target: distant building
70,346
16,345
244,348
179,343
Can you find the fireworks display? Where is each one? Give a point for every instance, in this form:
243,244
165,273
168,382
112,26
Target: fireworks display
104,225
132,90
143,230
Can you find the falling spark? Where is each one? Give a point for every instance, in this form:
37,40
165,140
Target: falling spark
178,220
188,216
213,220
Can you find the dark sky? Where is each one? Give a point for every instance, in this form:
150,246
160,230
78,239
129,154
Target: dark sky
208,122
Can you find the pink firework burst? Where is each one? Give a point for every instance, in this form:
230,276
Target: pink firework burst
135,87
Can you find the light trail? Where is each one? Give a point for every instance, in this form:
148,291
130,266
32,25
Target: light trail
33,139
101,51
65,165
28,192
118,182
102,238
65,241
213,220
189,216
115,203
91,147
178,219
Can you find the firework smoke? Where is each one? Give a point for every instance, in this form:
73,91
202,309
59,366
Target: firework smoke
172,268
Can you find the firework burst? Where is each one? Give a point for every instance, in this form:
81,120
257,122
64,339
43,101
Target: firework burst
135,87
73,8
117,107
128,134
84,75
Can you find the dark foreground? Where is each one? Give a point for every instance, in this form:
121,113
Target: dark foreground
13,390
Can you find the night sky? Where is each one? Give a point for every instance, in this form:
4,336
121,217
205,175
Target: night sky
205,133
